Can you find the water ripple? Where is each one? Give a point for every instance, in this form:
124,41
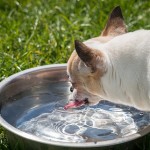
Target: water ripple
98,123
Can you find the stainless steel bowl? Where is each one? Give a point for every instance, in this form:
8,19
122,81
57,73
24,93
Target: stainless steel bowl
30,80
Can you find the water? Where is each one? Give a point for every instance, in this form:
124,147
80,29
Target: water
99,123
39,111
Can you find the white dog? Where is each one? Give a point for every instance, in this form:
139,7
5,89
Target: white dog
114,66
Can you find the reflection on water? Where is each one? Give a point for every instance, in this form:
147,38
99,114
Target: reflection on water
99,123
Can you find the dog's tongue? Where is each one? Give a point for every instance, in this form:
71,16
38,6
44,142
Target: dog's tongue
74,104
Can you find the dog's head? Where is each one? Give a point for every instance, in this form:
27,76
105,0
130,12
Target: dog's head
87,65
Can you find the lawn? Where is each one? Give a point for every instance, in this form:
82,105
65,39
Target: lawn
41,32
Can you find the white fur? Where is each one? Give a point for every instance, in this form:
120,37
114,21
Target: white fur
127,80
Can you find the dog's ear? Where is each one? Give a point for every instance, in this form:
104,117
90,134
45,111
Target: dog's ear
92,58
115,24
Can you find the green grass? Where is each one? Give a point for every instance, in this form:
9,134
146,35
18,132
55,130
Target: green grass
40,32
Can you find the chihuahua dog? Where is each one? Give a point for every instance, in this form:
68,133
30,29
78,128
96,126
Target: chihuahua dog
114,66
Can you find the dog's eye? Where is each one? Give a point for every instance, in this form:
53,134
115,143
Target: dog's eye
71,89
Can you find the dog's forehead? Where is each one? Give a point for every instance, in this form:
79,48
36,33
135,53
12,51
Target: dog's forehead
75,65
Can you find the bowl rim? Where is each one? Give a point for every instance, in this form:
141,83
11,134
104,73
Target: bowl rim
34,138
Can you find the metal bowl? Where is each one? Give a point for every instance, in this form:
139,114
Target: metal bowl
36,80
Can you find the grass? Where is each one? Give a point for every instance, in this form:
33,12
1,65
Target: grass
40,32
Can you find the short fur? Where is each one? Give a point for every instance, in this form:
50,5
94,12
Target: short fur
114,66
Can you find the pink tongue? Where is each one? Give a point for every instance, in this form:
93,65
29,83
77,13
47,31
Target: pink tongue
73,104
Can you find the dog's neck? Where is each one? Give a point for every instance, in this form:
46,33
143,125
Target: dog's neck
123,84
